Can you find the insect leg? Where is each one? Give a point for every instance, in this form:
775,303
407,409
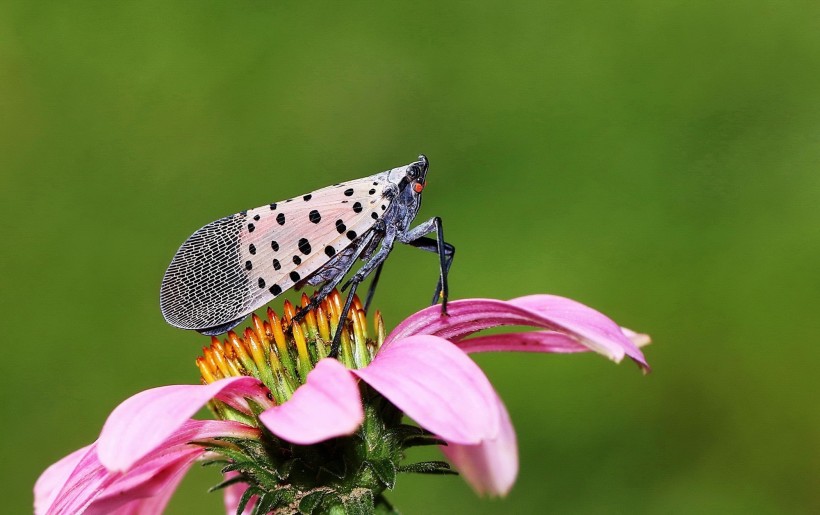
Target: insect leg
372,264
431,245
345,267
446,252
372,289
337,338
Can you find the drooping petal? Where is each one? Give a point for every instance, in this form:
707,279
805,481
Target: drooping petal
148,490
491,466
536,341
143,422
51,481
326,406
593,329
82,485
581,323
90,487
639,339
438,386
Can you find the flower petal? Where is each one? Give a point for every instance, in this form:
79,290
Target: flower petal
491,466
92,488
465,317
148,491
143,422
536,341
438,386
593,329
51,481
326,406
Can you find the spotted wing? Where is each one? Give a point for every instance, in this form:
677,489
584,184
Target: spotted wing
237,264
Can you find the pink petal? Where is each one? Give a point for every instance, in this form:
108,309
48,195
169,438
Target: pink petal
593,329
326,406
51,481
491,466
640,340
143,422
438,386
536,341
92,488
581,323
147,492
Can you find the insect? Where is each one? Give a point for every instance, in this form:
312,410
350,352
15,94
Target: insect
234,265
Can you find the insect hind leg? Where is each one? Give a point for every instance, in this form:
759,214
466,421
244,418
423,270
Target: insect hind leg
372,289
446,253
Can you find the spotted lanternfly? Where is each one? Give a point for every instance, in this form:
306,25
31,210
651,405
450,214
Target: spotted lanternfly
234,265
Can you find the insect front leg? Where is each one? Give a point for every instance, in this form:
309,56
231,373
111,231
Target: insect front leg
373,263
446,252
345,266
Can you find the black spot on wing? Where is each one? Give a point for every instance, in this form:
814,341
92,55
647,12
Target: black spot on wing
315,217
357,207
304,246
280,218
340,226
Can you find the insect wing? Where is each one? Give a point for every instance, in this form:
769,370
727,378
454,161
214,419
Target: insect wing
236,264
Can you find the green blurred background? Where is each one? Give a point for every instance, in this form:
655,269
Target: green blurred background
657,160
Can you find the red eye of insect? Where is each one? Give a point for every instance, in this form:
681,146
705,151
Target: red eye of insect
418,187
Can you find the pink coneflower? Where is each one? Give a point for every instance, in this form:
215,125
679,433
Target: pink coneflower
299,431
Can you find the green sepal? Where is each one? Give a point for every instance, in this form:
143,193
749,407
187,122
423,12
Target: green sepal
311,501
215,461
385,470
359,502
246,497
428,467
228,482
420,441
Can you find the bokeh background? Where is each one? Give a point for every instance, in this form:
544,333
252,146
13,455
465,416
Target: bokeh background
657,160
